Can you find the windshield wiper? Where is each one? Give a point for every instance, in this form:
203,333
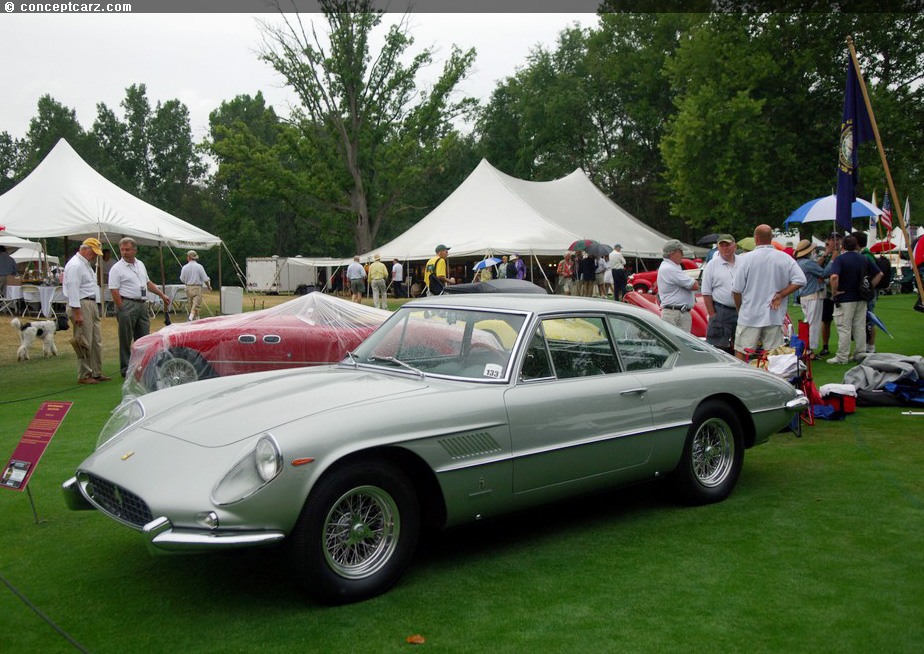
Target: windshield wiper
353,359
399,362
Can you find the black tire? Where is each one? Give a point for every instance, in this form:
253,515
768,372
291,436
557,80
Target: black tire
341,556
712,456
176,366
640,288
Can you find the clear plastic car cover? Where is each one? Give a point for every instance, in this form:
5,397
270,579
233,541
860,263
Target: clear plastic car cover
309,330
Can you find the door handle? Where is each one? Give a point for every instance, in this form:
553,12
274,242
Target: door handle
635,391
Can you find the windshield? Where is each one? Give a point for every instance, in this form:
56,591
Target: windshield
464,343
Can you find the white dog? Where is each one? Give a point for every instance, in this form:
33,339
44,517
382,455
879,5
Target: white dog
29,331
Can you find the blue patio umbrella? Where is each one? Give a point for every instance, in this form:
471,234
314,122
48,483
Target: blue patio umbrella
825,208
873,318
485,263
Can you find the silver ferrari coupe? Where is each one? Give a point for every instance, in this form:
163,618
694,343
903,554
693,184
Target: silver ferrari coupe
457,408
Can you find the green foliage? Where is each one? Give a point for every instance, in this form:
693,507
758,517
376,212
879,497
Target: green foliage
361,125
151,152
53,122
758,103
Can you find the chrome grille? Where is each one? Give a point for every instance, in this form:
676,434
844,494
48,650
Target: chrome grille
119,503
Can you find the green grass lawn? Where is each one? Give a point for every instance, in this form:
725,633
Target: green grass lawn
820,548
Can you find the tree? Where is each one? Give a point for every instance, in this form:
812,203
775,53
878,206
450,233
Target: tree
151,152
9,161
366,133
759,101
255,178
53,122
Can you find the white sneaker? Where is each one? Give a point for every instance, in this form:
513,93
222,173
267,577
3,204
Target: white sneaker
870,349
189,318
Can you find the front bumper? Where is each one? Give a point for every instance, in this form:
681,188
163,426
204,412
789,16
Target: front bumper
161,537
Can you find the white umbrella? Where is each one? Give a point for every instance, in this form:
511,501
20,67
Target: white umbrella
825,208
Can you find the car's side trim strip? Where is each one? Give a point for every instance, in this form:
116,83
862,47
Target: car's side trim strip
450,467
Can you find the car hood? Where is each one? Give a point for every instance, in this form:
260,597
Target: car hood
215,413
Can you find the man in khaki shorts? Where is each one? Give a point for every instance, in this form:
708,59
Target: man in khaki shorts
193,275
763,279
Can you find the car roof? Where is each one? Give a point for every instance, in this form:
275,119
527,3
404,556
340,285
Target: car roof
531,303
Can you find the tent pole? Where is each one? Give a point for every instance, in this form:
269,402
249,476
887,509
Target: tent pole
163,272
220,245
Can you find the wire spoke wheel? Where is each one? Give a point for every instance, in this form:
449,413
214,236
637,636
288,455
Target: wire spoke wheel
176,371
713,452
361,532
712,455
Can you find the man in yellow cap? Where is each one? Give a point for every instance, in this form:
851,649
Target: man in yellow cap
436,274
80,290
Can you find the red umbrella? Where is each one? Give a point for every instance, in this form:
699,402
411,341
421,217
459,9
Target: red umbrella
882,246
919,252
581,244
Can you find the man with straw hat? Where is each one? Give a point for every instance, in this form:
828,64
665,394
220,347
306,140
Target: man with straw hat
193,275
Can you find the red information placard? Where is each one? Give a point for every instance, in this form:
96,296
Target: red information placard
32,445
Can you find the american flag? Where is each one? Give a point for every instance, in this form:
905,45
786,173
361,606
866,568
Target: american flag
886,217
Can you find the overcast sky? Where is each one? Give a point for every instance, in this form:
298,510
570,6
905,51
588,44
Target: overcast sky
204,59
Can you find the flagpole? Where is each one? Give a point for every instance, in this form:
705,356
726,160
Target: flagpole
885,166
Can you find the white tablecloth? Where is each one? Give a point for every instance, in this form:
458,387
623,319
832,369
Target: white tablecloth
48,295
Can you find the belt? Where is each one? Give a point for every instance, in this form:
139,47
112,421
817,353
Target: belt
724,306
89,297
676,307
132,299
194,284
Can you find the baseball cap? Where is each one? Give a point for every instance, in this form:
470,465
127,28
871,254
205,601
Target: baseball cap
671,246
726,238
94,245
441,247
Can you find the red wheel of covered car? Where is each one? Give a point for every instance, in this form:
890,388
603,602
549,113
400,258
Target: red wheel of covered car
356,533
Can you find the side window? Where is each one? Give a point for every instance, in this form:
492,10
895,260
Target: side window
579,347
639,348
536,364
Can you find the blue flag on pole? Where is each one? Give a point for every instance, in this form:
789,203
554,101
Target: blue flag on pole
856,128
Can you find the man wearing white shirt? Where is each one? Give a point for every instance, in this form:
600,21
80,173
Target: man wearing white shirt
129,285
764,278
675,288
397,277
80,290
718,277
618,267
193,275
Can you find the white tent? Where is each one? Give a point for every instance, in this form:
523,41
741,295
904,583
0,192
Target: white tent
491,212
12,243
64,196
23,255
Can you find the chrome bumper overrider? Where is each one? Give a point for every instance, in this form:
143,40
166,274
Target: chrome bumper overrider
797,404
73,498
161,537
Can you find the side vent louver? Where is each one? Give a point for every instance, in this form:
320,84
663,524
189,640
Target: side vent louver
469,445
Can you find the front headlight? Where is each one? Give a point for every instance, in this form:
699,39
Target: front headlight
257,468
124,416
